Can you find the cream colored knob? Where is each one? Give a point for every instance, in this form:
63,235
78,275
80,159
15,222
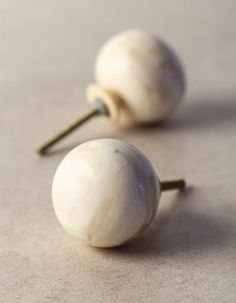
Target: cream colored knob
139,80
144,72
106,192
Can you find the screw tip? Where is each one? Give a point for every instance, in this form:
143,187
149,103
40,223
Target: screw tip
41,151
183,184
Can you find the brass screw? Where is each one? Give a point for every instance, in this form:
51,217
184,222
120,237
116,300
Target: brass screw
173,184
97,108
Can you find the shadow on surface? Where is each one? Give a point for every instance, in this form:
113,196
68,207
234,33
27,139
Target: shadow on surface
178,230
203,113
199,114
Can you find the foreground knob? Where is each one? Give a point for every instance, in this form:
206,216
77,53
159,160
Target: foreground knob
139,80
106,192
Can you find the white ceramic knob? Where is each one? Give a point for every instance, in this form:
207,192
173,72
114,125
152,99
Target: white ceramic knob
105,192
139,78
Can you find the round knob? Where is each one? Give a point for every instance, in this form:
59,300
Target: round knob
144,72
105,192
139,81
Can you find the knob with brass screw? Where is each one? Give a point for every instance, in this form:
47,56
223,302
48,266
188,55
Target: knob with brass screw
106,192
139,80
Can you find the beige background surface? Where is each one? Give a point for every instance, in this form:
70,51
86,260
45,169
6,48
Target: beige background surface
47,51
